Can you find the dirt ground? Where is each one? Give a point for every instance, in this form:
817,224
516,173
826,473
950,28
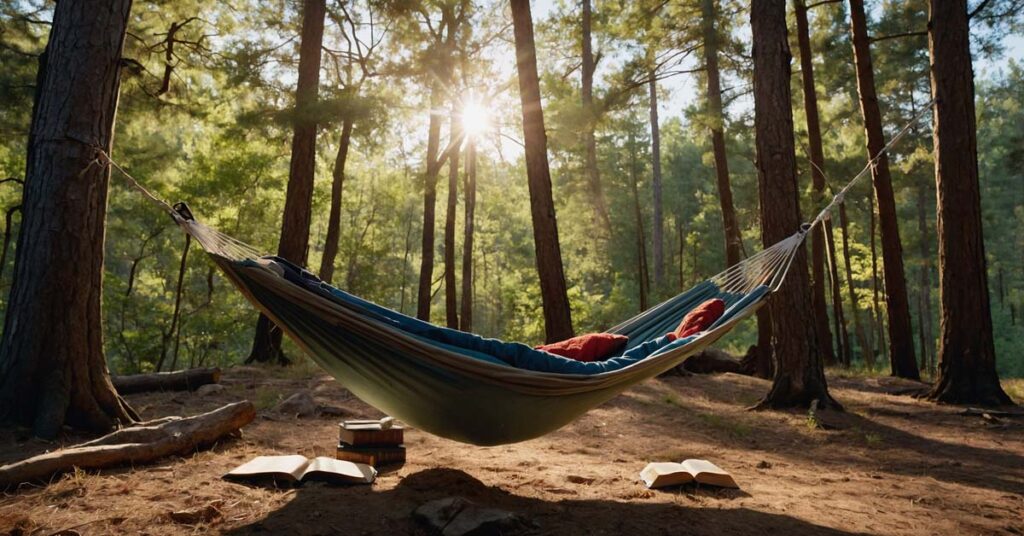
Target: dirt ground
892,465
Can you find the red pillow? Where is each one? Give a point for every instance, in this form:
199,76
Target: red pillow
589,347
699,319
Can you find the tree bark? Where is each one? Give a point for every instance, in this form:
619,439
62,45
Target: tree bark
967,359
294,241
817,155
657,230
469,187
733,242
181,380
451,300
137,445
557,316
52,367
799,377
337,189
901,334
590,140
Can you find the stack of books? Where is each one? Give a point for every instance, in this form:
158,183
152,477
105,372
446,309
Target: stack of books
373,442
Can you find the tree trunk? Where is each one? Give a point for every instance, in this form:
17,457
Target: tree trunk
52,367
469,188
182,380
429,202
451,300
557,316
799,377
858,328
298,202
733,242
337,188
589,139
837,296
179,292
967,358
876,311
642,274
925,284
818,301
901,333
658,241
137,445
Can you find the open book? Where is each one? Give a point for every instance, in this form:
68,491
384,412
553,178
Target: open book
295,469
664,474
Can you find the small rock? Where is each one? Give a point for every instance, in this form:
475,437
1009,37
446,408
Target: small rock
456,516
301,404
764,464
210,389
192,517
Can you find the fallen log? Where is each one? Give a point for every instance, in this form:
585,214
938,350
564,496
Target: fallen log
140,444
181,380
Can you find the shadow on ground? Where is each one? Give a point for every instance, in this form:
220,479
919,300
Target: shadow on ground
362,510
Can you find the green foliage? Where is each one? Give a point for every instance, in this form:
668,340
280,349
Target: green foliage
217,135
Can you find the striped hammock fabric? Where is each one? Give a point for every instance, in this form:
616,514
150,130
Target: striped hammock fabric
464,387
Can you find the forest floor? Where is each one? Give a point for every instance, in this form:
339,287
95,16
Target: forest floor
891,465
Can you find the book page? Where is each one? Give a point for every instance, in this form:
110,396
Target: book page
662,474
339,470
706,472
291,466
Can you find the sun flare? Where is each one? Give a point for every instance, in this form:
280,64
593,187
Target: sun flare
476,118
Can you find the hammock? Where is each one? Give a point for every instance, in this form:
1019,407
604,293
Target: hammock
461,386
465,387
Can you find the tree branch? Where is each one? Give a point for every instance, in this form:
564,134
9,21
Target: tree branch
898,36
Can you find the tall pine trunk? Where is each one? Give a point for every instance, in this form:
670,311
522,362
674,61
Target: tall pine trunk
298,202
733,242
451,302
590,113
52,367
818,301
557,316
469,192
334,219
901,334
967,357
657,229
799,377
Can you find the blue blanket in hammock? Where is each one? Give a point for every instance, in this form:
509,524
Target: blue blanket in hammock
495,351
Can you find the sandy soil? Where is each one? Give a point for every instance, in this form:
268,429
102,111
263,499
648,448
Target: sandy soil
895,465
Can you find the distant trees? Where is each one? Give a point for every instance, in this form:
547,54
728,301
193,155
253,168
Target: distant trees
557,316
53,369
799,377
967,360
294,242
